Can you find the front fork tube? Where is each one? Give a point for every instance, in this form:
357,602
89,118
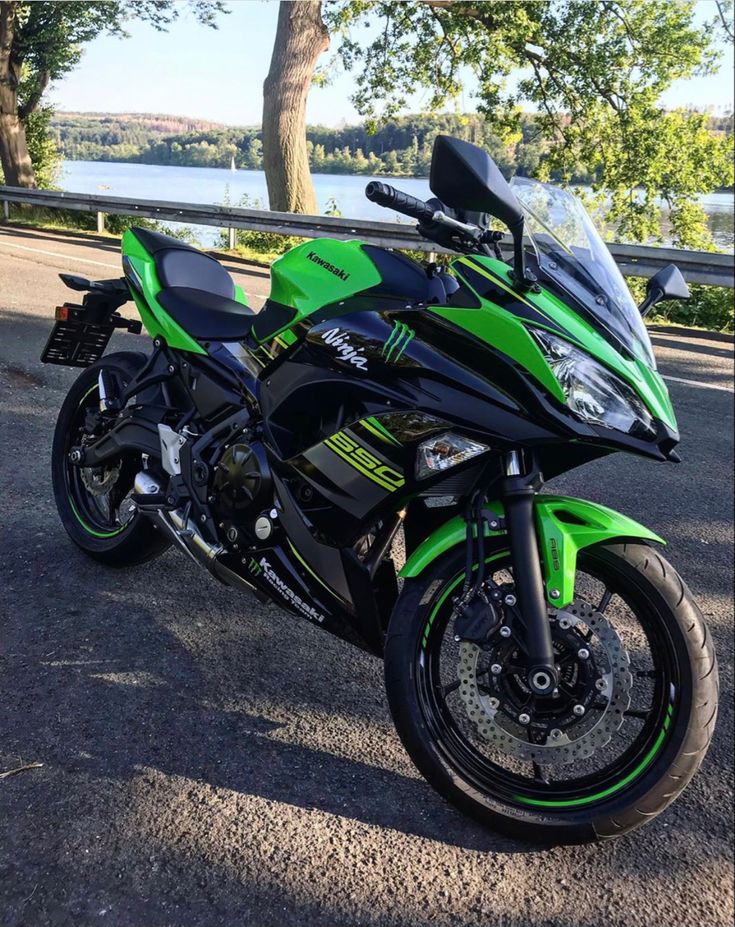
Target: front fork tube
518,498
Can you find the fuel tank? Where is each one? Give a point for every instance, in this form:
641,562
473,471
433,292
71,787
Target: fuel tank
316,279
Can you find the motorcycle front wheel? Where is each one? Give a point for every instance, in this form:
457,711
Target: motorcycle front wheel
619,739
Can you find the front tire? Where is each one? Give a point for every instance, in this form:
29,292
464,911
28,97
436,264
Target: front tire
669,738
100,523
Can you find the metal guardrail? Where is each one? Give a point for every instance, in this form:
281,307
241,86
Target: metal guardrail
634,260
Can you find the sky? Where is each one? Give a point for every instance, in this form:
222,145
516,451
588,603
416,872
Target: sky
218,74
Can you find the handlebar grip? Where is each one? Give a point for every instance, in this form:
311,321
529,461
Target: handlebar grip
385,195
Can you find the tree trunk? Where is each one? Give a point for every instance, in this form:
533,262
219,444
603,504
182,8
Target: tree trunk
14,158
301,37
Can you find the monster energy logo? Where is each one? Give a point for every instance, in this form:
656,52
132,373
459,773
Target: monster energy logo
399,339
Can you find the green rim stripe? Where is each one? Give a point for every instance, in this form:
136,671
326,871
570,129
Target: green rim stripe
644,764
306,566
380,431
357,466
97,534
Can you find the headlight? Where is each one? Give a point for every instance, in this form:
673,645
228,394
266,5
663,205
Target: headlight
445,451
592,392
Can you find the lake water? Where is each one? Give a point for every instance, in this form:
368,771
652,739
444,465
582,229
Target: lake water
219,185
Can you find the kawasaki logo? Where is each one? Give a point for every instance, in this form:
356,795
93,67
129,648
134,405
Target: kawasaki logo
337,271
275,580
340,341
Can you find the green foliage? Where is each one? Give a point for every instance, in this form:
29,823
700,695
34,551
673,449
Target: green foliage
264,246
45,41
42,147
593,71
332,208
399,146
711,307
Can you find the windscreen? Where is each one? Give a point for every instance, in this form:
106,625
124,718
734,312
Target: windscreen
572,253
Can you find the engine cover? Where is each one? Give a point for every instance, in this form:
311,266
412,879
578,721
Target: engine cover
242,484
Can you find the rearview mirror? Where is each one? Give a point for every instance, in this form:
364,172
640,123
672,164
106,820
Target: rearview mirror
668,283
465,177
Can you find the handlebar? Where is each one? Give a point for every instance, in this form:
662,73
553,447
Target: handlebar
385,195
435,225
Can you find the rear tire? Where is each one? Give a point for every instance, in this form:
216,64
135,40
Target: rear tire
120,545
656,589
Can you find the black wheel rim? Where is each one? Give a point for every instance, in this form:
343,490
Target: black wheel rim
565,795
86,508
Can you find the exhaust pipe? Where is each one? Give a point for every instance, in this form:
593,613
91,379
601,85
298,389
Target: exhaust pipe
185,534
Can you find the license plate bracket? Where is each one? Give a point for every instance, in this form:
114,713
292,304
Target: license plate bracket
74,340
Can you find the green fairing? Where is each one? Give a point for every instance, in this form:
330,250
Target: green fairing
509,333
564,525
157,321
335,271
240,296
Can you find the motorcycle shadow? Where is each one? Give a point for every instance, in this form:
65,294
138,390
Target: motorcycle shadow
119,694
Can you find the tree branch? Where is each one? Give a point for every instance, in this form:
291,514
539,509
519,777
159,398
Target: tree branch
725,22
34,98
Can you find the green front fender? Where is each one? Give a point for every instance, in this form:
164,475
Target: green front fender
564,525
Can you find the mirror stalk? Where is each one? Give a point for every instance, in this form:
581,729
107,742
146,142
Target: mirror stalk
652,297
524,279
668,283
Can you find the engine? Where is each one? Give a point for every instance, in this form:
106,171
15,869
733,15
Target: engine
241,488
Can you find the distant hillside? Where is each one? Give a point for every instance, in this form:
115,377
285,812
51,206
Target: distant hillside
401,146
118,136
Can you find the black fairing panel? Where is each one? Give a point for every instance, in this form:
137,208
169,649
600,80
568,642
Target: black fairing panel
402,277
396,366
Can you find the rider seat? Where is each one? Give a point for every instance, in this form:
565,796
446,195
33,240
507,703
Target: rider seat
198,293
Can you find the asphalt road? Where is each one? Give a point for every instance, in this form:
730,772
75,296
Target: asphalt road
211,761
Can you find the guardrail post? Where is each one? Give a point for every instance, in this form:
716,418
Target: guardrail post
6,211
100,222
231,239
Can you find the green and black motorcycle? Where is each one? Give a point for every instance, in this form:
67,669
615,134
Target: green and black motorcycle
547,670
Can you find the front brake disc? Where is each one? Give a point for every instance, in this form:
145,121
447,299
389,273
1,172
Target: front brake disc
578,739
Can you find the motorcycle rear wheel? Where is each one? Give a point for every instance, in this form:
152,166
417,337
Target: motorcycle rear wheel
104,525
